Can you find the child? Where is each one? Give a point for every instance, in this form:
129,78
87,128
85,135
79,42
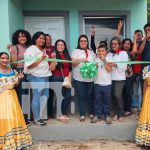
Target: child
142,136
102,87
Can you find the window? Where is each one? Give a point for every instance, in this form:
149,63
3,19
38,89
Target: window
105,27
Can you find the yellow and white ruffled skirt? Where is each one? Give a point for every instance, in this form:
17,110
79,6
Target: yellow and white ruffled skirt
142,136
14,134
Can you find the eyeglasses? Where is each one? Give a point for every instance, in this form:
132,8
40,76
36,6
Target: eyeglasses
83,40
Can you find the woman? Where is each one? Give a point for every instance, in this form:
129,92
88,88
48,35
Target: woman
21,40
128,88
142,136
60,71
38,73
118,76
13,130
83,86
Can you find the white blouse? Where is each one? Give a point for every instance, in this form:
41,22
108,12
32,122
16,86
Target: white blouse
41,70
79,54
118,73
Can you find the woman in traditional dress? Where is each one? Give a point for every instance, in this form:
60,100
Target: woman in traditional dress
142,136
14,134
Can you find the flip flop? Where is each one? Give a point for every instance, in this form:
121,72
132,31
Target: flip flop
128,114
63,119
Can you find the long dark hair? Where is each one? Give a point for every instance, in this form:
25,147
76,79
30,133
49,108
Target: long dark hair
1,53
15,37
127,39
36,36
65,52
82,36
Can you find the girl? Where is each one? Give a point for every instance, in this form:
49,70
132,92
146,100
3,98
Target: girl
13,130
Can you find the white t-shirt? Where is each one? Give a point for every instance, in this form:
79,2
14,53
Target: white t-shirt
118,73
78,54
41,70
103,77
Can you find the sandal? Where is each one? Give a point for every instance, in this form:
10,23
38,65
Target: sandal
121,119
128,113
63,119
115,118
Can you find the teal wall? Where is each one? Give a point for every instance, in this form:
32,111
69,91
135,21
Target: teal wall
16,17
4,24
11,16
11,19
138,10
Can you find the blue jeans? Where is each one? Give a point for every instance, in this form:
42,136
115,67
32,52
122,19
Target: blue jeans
137,91
66,93
127,93
84,92
39,87
102,100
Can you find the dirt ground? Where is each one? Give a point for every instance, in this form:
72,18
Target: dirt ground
87,145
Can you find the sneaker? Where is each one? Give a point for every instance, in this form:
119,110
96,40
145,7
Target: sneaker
82,118
44,119
91,116
108,120
95,119
28,123
135,110
40,122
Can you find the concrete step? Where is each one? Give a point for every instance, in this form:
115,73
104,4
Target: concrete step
76,130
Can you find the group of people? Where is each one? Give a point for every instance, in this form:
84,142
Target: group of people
111,90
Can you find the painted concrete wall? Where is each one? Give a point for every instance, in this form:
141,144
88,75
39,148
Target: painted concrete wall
4,24
16,17
138,11
11,17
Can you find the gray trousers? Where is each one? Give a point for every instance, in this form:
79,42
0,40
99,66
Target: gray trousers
117,98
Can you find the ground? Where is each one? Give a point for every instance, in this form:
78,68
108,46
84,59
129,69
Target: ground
56,138
86,145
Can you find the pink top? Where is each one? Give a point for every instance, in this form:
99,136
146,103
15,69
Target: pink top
20,53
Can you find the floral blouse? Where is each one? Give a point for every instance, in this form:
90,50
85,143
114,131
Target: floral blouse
8,80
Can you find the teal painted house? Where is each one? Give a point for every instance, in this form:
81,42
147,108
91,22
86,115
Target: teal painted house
68,19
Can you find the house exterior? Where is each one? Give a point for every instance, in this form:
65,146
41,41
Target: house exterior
67,19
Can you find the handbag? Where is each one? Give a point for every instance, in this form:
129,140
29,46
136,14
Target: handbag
67,81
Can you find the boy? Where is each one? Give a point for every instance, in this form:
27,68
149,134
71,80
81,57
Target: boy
102,87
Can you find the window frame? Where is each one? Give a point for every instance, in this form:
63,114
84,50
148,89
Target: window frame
123,14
